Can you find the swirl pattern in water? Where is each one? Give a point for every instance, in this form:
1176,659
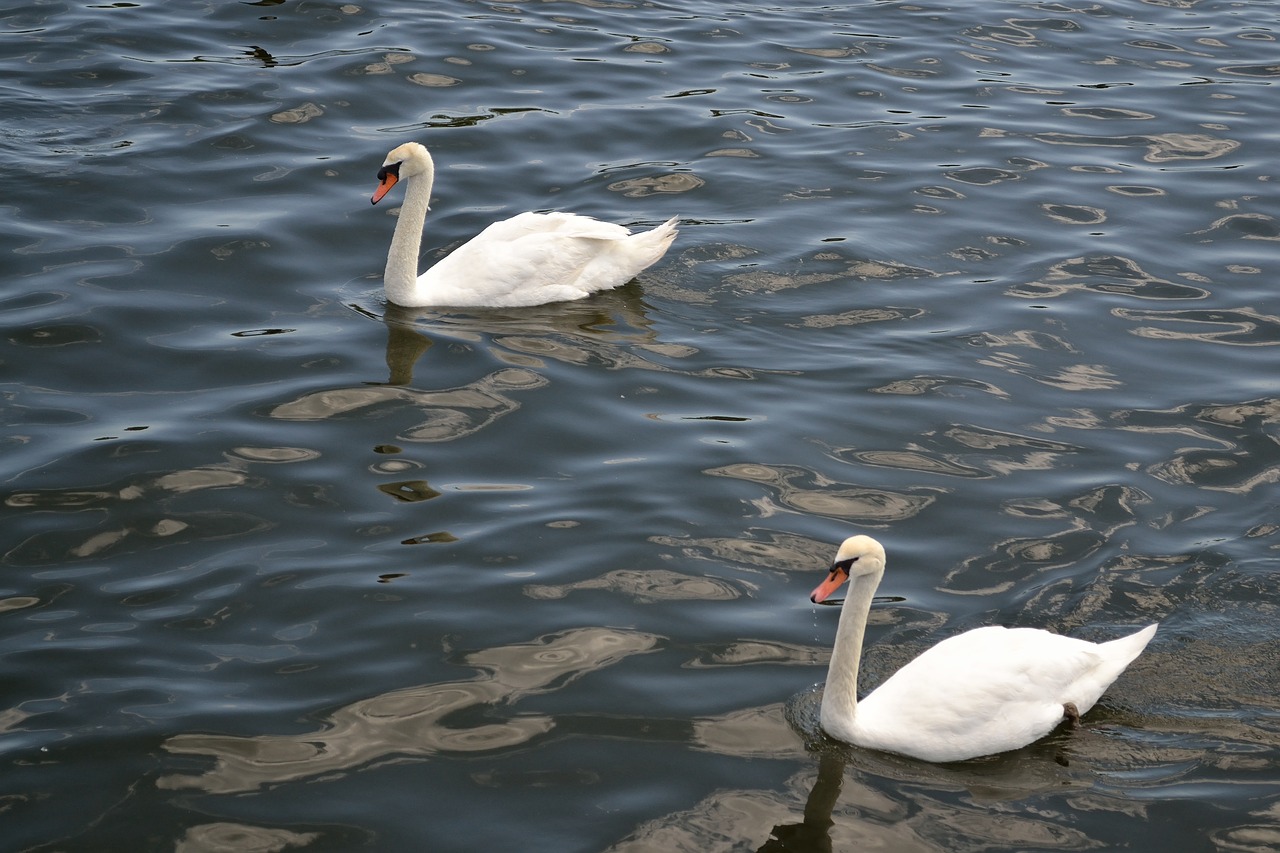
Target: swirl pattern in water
286,567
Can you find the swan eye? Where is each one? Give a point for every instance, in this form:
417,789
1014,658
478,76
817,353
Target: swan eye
845,566
393,170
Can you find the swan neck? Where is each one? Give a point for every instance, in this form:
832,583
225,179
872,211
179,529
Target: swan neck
401,274
840,697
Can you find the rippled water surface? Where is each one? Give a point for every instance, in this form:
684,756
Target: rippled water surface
285,568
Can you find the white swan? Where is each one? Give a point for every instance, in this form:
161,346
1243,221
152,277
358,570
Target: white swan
529,259
985,691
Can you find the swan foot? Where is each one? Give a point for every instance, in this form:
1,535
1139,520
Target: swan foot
1071,712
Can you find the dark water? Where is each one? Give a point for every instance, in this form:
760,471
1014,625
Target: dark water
283,569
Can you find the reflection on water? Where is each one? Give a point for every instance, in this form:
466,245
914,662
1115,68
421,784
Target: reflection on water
855,799
1105,274
813,833
825,497
609,330
763,732
241,838
773,550
747,652
912,460
1244,226
1159,148
449,414
841,805
411,721
995,279
644,586
1246,327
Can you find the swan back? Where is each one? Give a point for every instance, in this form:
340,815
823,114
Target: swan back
536,258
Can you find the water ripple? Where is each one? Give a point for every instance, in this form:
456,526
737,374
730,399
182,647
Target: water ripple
995,281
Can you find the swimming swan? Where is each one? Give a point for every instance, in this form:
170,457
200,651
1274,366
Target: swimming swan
985,691
529,259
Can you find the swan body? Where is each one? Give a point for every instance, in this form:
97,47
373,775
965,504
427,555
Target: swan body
982,692
529,259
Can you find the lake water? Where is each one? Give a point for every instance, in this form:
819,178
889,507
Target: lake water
286,569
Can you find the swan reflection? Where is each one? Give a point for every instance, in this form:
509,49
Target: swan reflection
607,329
851,799
600,329
610,330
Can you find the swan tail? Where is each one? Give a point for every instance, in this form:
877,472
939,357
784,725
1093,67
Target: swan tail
627,258
651,245
1122,652
1116,656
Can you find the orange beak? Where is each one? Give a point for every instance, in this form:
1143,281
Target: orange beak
838,576
388,180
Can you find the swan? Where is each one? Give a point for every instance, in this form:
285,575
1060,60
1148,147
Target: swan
982,692
529,259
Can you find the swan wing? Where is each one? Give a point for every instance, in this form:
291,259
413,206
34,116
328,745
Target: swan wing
534,258
990,690
562,224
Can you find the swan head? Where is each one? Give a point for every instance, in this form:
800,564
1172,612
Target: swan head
859,556
404,161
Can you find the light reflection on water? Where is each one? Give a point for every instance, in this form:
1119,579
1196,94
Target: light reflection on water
993,284
408,722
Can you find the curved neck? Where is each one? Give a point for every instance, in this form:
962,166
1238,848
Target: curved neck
840,697
401,273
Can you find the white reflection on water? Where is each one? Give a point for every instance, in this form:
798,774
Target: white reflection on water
240,837
1105,274
450,413
858,503
1242,326
773,550
644,586
409,722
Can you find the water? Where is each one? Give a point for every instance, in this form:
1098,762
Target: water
286,569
